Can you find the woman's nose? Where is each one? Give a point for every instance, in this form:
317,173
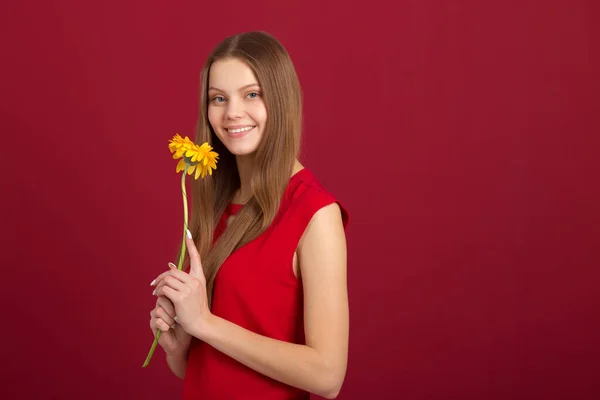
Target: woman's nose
234,110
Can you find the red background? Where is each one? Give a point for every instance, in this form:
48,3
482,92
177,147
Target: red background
462,137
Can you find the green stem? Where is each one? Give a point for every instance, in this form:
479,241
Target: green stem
185,218
181,257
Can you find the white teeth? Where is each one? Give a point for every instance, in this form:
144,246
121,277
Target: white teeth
240,130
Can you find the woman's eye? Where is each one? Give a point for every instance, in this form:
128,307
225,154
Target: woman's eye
253,95
219,99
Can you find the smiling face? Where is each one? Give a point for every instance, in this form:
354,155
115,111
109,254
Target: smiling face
236,110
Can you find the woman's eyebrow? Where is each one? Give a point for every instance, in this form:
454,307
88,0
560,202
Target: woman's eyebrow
242,88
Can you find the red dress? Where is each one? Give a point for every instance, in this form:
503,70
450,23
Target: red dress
257,289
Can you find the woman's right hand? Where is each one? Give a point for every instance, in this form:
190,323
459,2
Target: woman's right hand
173,339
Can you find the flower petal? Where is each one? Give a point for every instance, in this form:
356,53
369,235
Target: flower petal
197,157
180,165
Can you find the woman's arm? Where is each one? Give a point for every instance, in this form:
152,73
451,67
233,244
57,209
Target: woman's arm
319,366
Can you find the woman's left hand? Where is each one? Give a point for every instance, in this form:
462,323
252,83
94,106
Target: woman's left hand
187,292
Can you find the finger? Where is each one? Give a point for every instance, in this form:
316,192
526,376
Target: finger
167,305
169,293
161,276
154,316
155,280
153,321
171,282
153,325
162,314
195,264
174,272
162,325
168,313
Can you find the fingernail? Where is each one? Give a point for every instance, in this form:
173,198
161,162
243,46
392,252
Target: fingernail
176,319
154,292
171,265
189,234
153,282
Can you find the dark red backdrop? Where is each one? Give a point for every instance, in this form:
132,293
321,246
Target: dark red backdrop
460,135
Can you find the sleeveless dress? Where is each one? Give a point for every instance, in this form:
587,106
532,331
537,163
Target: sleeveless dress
257,289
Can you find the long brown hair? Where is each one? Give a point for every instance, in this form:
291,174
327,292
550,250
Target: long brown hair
273,161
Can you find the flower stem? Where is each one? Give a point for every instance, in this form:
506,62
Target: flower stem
185,218
181,257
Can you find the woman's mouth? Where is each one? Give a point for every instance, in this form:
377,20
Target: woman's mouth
238,132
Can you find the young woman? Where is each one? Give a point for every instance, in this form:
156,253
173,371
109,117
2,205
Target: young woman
262,311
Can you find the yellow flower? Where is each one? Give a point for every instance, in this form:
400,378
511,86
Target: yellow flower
200,159
193,158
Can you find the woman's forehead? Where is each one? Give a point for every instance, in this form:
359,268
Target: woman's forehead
231,74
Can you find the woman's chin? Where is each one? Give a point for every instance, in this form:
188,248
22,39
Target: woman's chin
242,151
242,148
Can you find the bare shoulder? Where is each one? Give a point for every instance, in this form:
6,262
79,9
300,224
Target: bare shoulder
325,227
